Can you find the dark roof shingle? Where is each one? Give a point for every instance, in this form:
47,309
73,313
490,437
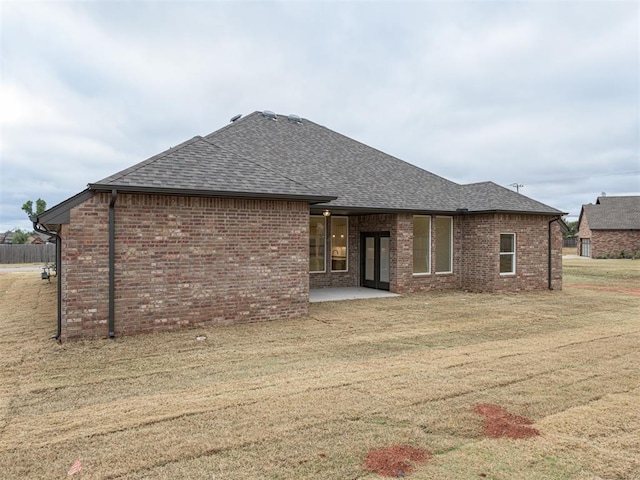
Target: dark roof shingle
613,213
359,175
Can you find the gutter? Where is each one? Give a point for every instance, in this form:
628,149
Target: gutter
36,227
549,262
112,261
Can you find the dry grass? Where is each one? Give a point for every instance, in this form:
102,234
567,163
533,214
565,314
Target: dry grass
308,398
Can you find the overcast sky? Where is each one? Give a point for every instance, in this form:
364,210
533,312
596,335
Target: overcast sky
545,94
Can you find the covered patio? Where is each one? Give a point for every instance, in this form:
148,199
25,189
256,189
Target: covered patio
334,294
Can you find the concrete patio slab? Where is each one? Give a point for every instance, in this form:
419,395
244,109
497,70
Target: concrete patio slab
346,293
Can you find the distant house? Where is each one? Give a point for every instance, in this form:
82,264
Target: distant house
610,228
38,238
6,238
239,225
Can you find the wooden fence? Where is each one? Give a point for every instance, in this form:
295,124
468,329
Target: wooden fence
28,253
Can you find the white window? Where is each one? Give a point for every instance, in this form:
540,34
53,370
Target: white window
339,244
507,253
444,244
421,244
317,243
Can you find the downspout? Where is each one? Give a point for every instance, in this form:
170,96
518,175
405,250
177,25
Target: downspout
549,253
34,220
112,261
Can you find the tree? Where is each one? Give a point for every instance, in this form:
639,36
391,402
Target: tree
573,229
41,206
20,236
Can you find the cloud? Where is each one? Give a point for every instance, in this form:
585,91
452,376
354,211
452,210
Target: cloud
539,93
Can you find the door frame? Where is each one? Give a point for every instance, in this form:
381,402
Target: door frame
375,283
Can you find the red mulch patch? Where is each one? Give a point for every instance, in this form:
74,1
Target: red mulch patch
500,423
395,461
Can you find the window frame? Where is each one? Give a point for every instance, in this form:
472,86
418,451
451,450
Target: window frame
324,244
346,244
428,272
450,271
513,254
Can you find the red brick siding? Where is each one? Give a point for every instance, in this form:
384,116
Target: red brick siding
407,281
184,261
608,243
583,232
611,243
481,252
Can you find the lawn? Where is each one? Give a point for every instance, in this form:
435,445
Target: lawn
310,398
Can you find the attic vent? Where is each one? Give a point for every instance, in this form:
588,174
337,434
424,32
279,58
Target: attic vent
295,118
270,115
233,119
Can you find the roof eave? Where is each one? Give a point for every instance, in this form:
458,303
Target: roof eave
311,198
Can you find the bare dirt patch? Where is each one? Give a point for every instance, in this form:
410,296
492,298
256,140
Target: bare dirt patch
500,423
396,460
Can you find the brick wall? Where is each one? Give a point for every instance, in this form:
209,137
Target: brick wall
407,281
481,252
476,254
611,243
584,231
184,261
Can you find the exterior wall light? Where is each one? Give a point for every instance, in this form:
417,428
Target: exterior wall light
326,213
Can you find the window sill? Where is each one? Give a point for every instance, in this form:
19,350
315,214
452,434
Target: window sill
426,274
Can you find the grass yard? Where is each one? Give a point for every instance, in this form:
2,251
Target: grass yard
309,398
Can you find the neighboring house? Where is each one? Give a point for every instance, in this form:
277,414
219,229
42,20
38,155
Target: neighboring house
6,238
238,225
38,238
610,228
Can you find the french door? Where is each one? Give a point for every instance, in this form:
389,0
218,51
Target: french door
375,260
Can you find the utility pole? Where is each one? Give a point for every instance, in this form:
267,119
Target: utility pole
517,186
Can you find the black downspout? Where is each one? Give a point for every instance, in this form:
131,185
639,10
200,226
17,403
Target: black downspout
549,254
112,261
34,220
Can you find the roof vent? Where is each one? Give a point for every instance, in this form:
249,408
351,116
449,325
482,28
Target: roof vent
295,118
233,119
270,115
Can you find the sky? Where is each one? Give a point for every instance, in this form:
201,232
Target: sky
542,94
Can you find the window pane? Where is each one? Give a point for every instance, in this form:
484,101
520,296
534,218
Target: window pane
316,244
443,244
339,235
369,264
384,259
421,226
507,243
506,263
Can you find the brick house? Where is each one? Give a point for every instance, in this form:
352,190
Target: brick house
239,225
610,228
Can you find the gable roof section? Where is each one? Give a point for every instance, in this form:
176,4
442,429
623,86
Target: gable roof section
360,176
490,197
613,213
198,167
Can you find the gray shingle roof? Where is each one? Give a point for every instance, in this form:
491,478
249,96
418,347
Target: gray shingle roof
197,165
359,175
263,157
613,213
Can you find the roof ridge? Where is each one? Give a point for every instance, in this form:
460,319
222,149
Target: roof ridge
149,161
231,124
272,170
